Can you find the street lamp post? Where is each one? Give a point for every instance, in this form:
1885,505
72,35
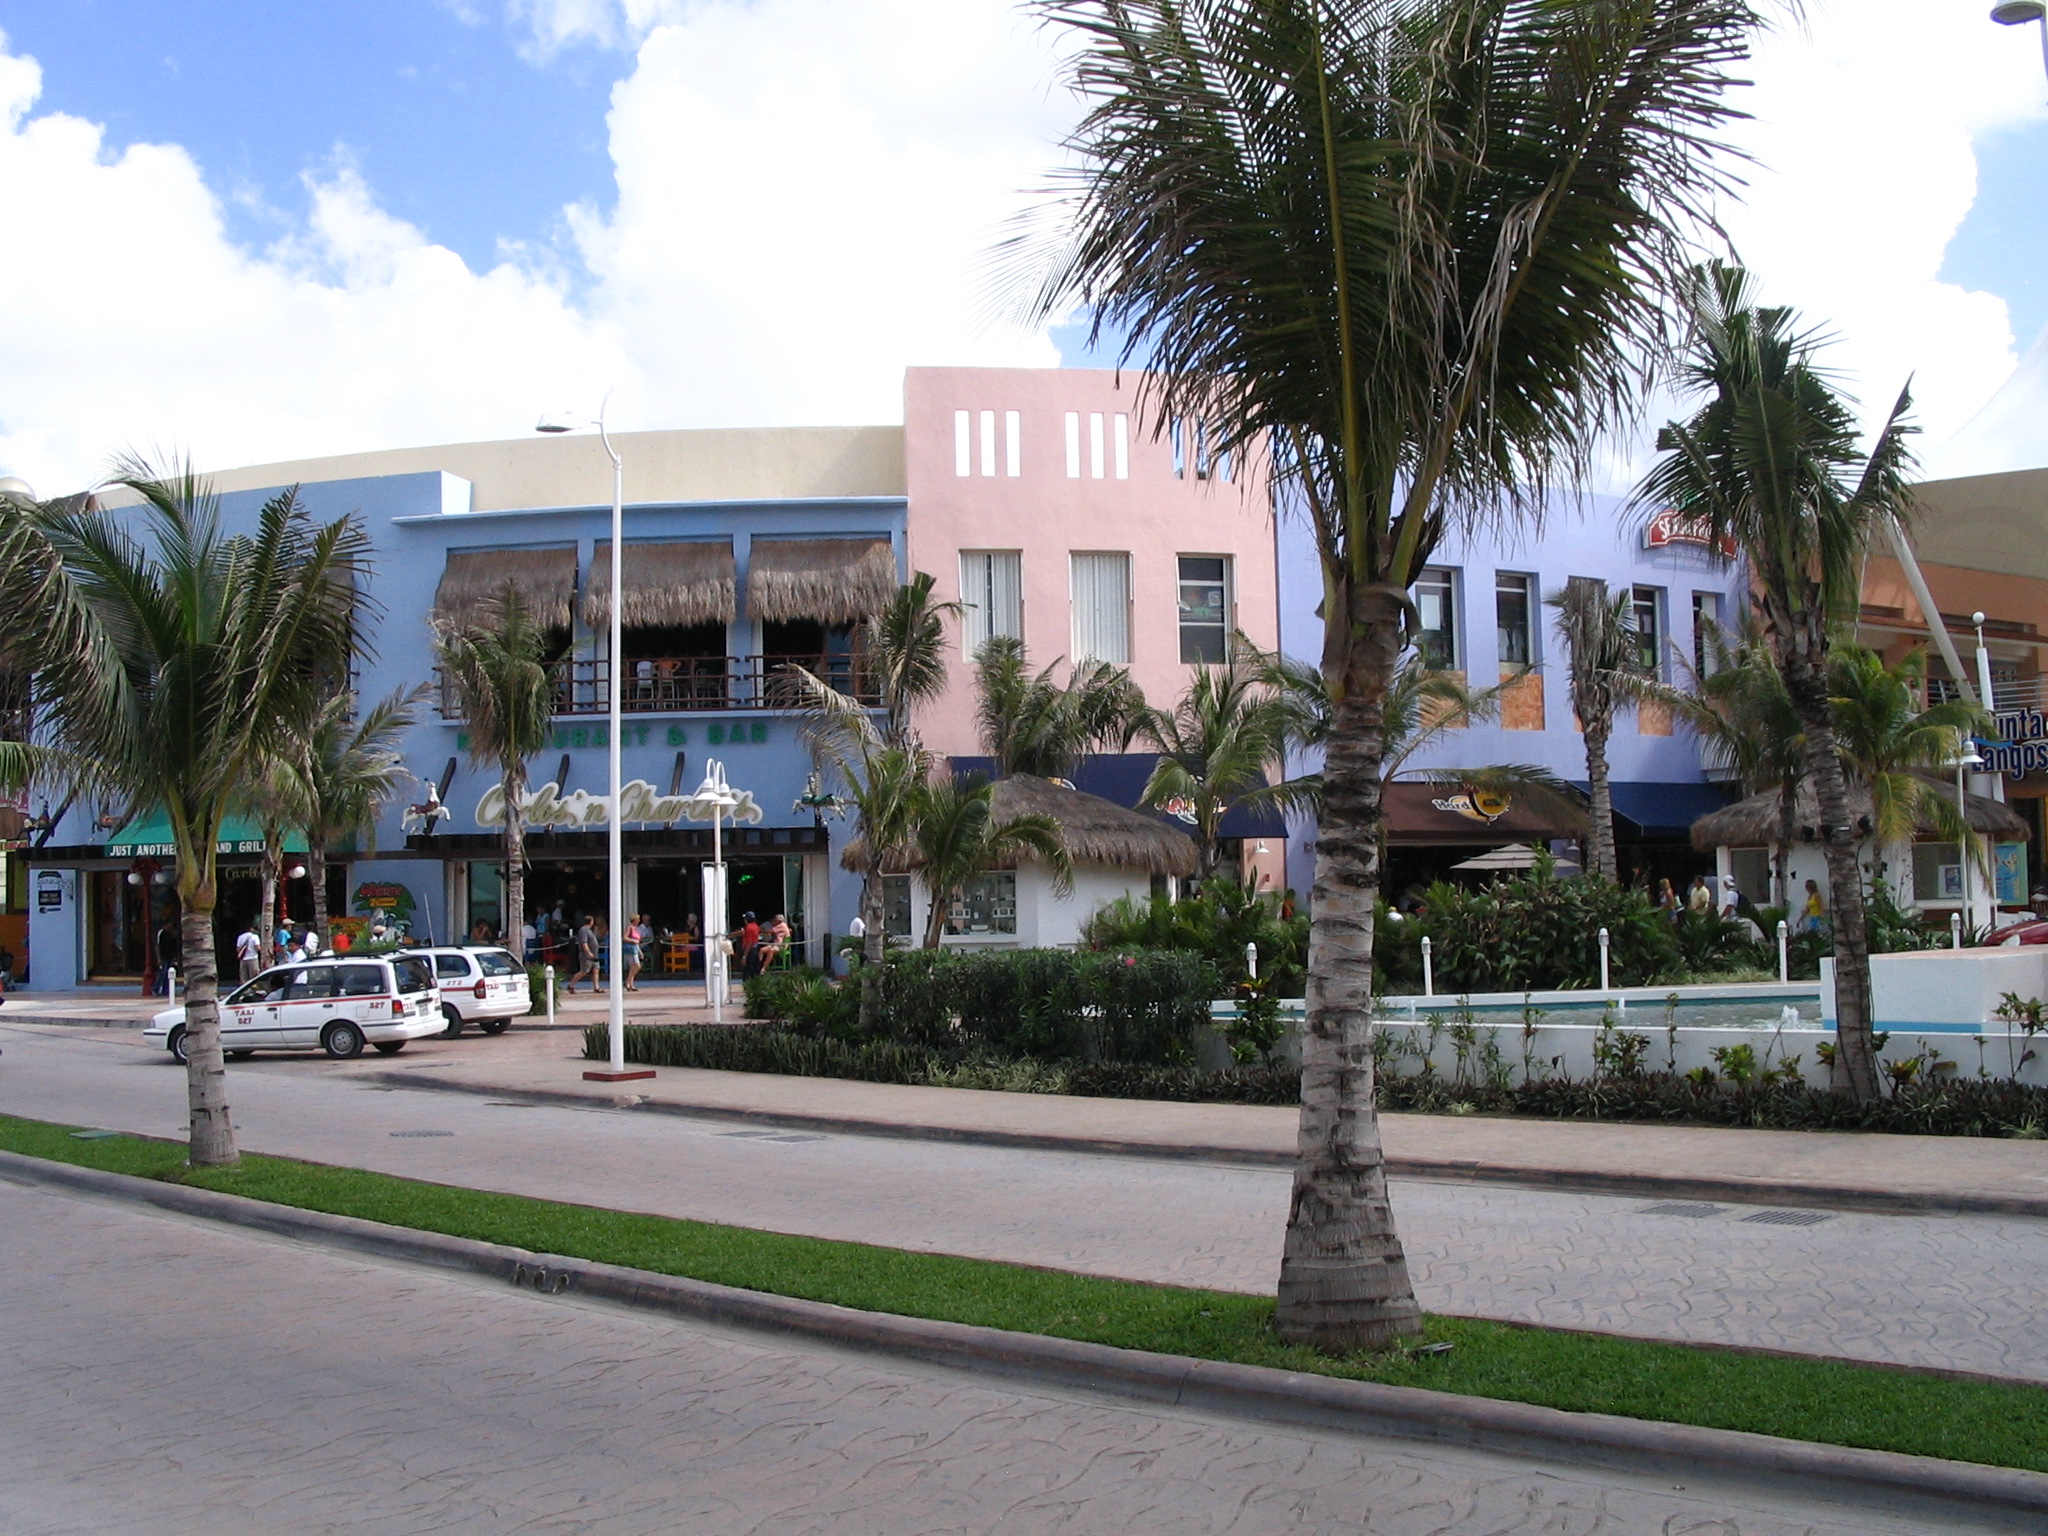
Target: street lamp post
2017,13
615,856
1967,759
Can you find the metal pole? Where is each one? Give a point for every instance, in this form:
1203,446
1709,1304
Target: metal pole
1603,960
1955,930
1251,960
548,983
1784,956
1428,970
714,948
1962,850
170,984
615,841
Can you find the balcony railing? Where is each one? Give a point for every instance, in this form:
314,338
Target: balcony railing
2007,692
688,684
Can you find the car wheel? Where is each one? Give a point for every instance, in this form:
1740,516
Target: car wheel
493,1026
341,1040
176,1045
240,1055
389,1047
454,1021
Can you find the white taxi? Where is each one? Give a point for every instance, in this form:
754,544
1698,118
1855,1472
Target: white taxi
337,1004
485,987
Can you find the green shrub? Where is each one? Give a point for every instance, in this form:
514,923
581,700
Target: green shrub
804,999
1216,924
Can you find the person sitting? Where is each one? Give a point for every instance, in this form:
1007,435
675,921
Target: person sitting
775,941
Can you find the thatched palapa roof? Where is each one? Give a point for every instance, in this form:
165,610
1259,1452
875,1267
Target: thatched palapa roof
546,578
1753,823
834,581
1096,831
666,582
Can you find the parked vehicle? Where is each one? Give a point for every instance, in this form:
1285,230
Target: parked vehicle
331,1004
485,987
2031,930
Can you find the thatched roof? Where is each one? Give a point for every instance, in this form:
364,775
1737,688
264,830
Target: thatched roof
546,578
1096,831
666,582
1753,823
834,581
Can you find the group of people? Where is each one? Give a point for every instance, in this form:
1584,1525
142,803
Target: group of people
756,948
1701,897
593,951
287,944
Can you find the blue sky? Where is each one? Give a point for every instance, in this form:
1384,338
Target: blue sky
342,143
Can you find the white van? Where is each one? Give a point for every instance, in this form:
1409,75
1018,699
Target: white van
484,987
336,1003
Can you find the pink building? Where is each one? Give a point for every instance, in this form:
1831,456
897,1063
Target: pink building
1049,505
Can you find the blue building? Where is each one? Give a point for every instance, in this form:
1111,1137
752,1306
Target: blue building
1483,608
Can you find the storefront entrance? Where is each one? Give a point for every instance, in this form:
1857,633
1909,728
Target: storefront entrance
668,892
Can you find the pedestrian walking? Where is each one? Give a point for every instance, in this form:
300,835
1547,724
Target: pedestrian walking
586,955
249,952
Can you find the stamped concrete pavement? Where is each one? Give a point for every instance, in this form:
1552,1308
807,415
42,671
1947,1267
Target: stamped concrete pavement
1948,1292
166,1377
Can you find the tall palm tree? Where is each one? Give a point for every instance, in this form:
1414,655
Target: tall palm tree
880,763
1224,739
1419,252
1601,649
956,836
1772,460
1032,723
1744,719
500,667
171,656
349,769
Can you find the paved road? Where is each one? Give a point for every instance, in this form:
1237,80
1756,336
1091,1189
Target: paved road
164,1377
1956,1292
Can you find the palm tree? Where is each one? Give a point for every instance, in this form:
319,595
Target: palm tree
880,764
1744,719
1599,635
349,769
1032,723
1419,253
1772,460
1889,741
1221,742
170,661
500,668
956,836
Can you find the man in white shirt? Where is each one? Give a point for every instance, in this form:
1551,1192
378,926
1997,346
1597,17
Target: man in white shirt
249,951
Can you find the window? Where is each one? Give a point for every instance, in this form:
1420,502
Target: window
413,974
1074,445
496,962
1102,606
991,595
359,981
986,904
963,444
896,906
1645,607
1706,637
1205,609
313,981
1434,600
1123,446
1938,872
1514,600
1013,444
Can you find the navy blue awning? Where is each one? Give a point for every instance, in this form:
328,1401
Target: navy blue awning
1665,810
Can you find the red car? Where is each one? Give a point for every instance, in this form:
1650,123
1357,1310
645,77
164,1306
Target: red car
2032,930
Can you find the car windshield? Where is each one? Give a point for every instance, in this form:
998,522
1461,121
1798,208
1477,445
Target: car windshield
414,974
497,963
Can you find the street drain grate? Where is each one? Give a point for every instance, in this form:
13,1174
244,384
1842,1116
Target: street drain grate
423,1133
769,1136
1791,1218
795,1138
1681,1208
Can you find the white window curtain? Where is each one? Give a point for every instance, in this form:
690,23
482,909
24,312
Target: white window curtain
1102,606
991,595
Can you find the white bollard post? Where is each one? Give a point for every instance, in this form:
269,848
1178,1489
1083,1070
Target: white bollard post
548,982
1955,930
1251,960
1603,960
1784,955
1428,969
170,986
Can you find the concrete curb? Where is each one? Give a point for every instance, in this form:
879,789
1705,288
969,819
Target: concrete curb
1652,1186
1237,1390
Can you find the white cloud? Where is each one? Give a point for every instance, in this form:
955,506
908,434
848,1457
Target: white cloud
806,193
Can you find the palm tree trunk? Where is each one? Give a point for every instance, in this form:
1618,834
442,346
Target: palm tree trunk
1343,1276
875,944
935,920
1600,839
206,1078
316,871
1781,854
1855,1067
515,862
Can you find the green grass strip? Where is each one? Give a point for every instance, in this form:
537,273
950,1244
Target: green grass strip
1800,1399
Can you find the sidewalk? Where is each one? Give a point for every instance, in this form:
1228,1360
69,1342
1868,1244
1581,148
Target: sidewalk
1828,1169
